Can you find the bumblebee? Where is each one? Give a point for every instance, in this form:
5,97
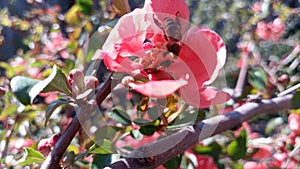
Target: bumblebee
172,32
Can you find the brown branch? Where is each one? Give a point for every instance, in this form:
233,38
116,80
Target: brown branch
53,159
186,138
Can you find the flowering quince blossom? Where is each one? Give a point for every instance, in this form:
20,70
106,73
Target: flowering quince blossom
272,30
294,123
56,43
140,47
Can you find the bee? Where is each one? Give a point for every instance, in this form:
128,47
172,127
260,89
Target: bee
172,32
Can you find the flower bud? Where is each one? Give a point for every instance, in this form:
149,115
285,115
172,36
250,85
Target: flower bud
76,79
91,82
2,91
54,139
44,146
284,78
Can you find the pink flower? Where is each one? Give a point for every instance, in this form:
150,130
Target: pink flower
56,43
270,31
277,28
254,165
263,31
262,153
205,162
257,7
18,61
294,123
280,160
49,97
34,72
137,46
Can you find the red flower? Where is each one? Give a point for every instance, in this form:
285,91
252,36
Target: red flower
137,46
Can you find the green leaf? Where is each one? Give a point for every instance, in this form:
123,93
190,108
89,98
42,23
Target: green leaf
273,124
101,160
120,116
70,64
72,18
70,158
21,87
85,6
213,149
52,107
9,70
173,163
31,156
235,165
200,115
105,132
148,130
105,148
296,100
136,134
237,149
56,81
258,78
141,122
153,113
9,110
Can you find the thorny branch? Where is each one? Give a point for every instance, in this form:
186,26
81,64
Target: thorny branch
190,136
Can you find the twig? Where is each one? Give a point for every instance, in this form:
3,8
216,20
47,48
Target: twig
289,90
262,64
8,135
291,56
53,159
189,136
291,155
242,76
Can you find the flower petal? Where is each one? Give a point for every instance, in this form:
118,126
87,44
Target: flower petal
204,97
128,34
158,89
120,64
197,56
170,7
218,44
220,48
